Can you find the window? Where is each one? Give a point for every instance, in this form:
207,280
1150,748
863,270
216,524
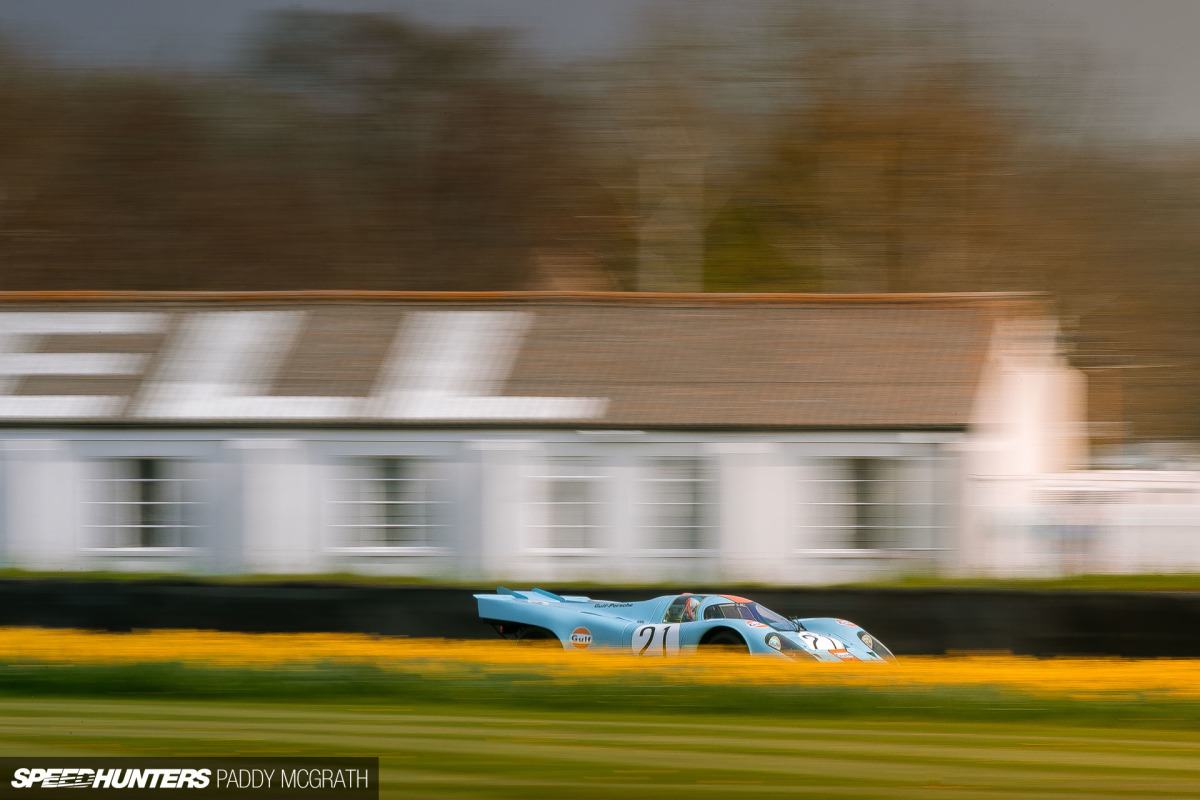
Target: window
874,498
728,611
683,608
750,611
571,503
866,503
677,503
143,503
388,502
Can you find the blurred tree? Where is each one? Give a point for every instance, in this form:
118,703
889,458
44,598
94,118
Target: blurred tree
465,160
741,254
355,151
841,150
751,146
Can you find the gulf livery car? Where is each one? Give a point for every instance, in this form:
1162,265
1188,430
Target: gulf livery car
674,624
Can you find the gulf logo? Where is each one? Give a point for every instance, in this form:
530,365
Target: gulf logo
581,638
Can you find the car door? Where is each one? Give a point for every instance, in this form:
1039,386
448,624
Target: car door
661,636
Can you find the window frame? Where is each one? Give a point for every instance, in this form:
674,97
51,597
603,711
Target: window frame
333,457
432,502
199,455
709,529
539,479
923,518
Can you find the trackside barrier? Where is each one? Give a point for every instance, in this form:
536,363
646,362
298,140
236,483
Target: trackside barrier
909,621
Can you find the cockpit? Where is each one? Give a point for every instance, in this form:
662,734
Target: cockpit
752,611
687,608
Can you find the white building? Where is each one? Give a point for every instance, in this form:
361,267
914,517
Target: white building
610,437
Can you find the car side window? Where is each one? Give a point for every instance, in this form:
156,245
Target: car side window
722,611
728,611
683,609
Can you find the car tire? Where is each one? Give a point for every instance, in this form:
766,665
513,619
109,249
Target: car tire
537,636
727,640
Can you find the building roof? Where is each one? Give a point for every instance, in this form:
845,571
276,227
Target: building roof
580,359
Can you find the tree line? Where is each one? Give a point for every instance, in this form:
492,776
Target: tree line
809,147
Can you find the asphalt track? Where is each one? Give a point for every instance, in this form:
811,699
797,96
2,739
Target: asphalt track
430,752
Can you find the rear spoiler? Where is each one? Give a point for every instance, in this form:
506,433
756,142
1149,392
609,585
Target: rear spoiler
541,593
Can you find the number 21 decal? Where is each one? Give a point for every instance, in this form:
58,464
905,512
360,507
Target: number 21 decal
656,640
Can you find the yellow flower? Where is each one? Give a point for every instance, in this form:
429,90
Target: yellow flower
1071,677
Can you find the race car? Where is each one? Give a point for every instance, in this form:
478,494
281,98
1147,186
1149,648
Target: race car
674,624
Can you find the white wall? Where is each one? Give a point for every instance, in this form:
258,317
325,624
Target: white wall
280,520
1110,521
42,504
267,504
1029,419
757,517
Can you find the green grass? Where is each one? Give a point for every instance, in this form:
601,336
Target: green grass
631,750
507,691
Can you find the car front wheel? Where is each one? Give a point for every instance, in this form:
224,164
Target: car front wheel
726,640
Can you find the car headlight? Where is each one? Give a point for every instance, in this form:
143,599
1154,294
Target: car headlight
773,641
875,646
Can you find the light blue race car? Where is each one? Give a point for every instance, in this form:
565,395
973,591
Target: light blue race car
673,624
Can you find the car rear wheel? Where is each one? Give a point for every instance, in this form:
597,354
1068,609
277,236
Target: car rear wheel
538,636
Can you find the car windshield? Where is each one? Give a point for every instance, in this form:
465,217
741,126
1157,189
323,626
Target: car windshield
776,621
751,611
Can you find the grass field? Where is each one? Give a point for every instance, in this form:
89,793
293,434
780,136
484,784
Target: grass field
468,752
498,720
